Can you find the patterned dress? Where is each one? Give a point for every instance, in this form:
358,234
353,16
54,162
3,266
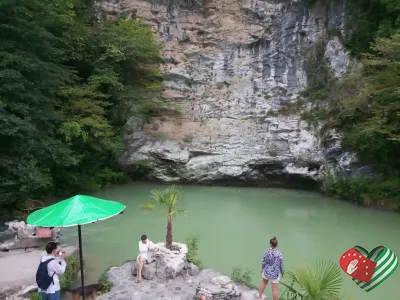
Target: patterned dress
272,264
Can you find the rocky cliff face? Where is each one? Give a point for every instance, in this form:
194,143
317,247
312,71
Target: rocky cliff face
231,66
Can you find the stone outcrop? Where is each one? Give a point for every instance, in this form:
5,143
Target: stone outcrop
231,65
171,276
165,264
19,235
179,288
219,288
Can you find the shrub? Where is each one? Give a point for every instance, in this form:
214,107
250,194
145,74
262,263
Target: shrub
34,296
71,272
363,191
108,285
243,277
192,243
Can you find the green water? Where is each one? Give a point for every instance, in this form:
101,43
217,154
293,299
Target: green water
235,225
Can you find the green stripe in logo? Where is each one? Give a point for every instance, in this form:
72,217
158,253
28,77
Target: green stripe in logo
386,265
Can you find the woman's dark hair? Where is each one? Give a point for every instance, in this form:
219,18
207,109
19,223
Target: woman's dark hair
143,237
273,242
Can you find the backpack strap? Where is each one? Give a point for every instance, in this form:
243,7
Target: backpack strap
47,263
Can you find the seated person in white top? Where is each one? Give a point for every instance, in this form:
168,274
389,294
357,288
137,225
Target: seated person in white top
145,246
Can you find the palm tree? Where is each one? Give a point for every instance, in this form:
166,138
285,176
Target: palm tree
168,197
320,282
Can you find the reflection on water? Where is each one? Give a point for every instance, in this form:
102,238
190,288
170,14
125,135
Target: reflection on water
235,225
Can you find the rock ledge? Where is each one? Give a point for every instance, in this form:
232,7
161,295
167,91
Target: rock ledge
171,277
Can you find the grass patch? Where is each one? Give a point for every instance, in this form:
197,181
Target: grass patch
243,277
108,285
34,296
103,279
289,108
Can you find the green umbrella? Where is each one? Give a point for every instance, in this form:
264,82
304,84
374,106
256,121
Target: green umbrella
77,210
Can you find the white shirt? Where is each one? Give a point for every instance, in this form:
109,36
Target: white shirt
54,267
144,250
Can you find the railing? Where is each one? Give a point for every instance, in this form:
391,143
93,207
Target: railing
32,205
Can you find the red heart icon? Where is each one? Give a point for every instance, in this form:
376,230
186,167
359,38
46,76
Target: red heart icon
357,265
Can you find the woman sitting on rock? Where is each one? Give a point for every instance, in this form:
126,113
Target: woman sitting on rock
271,269
145,246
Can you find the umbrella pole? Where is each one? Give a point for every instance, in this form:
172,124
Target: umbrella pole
81,261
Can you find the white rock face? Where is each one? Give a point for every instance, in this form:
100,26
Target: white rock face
233,63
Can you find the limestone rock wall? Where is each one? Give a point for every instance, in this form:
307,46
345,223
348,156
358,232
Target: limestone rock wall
230,64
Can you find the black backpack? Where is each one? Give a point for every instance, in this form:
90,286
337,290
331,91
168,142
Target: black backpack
43,280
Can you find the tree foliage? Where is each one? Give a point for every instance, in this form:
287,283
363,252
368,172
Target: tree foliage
370,117
68,85
365,107
321,281
167,198
366,20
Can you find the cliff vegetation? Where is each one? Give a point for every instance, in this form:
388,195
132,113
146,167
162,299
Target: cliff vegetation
365,105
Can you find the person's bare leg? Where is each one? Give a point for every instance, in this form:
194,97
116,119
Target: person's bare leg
274,287
139,268
262,288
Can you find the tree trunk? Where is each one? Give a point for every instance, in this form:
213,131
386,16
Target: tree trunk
169,234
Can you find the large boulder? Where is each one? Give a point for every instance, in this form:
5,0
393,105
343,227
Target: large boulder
167,264
19,235
170,263
193,270
7,235
22,229
218,288
148,271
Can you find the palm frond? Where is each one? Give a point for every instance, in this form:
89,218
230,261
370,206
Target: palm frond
330,277
169,196
175,212
291,292
175,194
321,281
159,196
149,207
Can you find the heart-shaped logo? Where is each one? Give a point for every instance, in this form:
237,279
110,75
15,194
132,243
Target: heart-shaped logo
369,270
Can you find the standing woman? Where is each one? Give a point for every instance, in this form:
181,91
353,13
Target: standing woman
271,269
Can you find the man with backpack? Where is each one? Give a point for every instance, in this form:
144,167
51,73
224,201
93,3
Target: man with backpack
51,266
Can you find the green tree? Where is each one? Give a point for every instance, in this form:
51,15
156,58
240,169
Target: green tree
319,282
69,83
31,73
167,198
370,117
116,64
365,21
